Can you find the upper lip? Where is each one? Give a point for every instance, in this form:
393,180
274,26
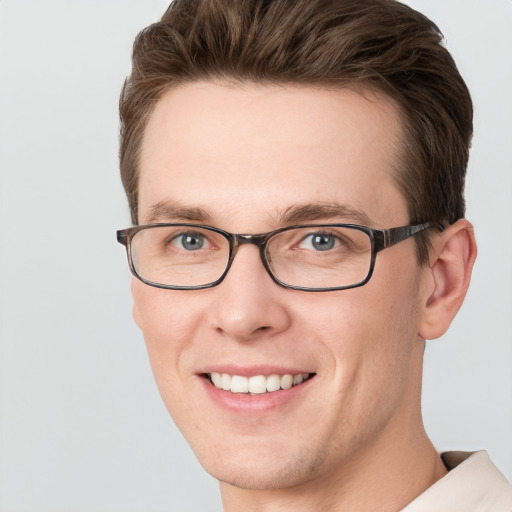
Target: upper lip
249,371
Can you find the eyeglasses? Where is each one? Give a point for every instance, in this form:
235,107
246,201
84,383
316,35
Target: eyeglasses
312,257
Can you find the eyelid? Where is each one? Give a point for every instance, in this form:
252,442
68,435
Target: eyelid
312,234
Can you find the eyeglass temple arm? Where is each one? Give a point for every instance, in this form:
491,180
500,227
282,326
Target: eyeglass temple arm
122,237
389,237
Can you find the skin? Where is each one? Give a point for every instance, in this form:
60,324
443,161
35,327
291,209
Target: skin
242,155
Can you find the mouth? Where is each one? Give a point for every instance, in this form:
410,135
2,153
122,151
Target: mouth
256,384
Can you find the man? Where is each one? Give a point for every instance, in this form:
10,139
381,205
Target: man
295,174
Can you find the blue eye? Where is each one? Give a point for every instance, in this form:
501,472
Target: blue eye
322,242
189,241
319,241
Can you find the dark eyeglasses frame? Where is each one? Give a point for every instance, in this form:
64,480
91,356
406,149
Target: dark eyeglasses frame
380,239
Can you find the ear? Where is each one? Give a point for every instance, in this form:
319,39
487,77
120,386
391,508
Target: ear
451,263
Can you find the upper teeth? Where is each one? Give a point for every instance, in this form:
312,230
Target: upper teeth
257,384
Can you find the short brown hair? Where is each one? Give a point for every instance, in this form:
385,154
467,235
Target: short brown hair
381,44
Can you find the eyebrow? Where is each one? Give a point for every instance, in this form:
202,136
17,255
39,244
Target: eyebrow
325,212
170,210
165,211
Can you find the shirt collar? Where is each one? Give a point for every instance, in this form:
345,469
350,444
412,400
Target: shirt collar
473,484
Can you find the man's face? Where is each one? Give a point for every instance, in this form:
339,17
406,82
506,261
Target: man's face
239,158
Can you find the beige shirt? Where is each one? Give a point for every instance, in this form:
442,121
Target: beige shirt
473,484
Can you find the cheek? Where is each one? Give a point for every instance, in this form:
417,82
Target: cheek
167,321
371,336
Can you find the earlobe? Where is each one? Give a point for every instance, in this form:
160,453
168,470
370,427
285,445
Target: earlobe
452,258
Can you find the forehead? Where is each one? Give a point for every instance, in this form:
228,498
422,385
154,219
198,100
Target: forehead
241,152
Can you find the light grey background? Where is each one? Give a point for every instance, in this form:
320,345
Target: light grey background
82,427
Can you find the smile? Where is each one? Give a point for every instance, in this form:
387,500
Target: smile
257,384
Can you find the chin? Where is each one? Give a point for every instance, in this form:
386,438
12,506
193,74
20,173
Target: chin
257,479
263,473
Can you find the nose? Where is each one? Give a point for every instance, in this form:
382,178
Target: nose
249,305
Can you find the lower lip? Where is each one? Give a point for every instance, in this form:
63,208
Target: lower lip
243,403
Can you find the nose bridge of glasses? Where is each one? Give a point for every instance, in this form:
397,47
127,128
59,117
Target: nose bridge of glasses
258,240
244,238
